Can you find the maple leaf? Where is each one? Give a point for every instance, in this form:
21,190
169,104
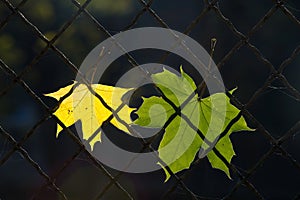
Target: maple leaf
181,142
82,105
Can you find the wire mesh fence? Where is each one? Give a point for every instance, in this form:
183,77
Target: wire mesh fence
41,43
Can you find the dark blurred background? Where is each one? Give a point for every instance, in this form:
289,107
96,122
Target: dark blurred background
277,109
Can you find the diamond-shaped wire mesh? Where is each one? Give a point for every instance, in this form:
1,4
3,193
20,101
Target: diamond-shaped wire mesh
42,43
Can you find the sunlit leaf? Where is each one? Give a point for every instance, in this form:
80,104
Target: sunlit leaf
82,105
181,142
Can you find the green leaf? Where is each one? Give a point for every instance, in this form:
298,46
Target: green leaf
178,146
181,142
224,145
175,88
154,112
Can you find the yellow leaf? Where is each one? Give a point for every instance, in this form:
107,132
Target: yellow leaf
85,106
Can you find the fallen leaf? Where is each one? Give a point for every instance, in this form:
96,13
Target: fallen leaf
82,105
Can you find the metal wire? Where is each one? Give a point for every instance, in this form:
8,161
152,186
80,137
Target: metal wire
243,177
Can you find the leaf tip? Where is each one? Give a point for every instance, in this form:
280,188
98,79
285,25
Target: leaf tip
181,69
233,90
58,130
166,172
96,139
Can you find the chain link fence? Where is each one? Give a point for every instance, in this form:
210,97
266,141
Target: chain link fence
42,45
